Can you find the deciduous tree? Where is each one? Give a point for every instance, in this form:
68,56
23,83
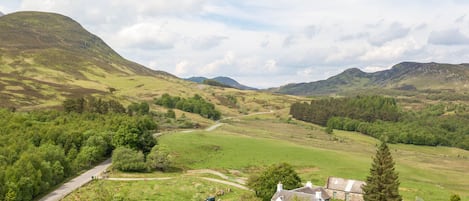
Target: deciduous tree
265,184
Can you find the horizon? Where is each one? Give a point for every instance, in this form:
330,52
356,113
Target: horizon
266,44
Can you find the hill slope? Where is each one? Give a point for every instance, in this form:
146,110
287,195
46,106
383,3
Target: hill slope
402,76
224,80
46,58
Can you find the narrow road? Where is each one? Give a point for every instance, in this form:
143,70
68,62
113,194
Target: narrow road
76,182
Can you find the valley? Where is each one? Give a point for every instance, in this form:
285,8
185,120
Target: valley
250,143
68,101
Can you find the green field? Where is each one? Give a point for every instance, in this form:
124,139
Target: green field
432,173
179,188
251,143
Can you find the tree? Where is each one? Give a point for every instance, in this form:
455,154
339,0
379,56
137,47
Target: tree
455,197
383,182
159,158
171,114
126,159
265,184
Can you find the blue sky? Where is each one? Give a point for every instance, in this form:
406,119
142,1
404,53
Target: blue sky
267,43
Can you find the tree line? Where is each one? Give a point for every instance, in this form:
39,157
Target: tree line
380,117
195,104
40,149
364,108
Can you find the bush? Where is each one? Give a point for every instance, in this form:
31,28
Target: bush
159,158
128,160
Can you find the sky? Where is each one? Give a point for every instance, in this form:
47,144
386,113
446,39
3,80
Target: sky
269,43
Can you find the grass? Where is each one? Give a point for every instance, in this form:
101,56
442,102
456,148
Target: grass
222,150
432,173
252,143
179,188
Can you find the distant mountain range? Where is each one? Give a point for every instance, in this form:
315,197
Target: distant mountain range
408,76
224,80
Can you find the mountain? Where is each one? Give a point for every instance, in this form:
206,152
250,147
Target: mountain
46,57
224,80
406,76
1,14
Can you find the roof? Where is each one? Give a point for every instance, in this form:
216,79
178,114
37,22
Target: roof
346,185
303,193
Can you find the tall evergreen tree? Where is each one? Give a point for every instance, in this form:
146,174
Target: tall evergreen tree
383,182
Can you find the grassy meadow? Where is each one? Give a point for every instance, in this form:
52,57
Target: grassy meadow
179,188
431,173
251,143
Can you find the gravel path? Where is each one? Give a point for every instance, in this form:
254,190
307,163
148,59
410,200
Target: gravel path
226,182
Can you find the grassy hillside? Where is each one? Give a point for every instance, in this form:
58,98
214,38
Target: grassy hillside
46,57
405,77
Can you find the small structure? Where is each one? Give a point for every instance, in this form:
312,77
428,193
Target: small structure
210,199
345,189
306,193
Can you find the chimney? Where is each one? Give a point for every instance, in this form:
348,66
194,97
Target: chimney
279,186
309,184
318,195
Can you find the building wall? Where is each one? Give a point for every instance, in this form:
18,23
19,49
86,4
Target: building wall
340,195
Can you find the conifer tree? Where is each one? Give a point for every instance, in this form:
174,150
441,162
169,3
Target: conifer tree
383,182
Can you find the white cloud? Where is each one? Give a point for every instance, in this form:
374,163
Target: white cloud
392,51
271,65
448,37
275,42
181,68
214,66
392,32
372,69
147,35
207,42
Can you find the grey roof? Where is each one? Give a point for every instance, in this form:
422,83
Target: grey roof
346,185
303,194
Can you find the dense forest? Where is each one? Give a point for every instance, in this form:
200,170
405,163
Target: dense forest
441,124
40,149
195,104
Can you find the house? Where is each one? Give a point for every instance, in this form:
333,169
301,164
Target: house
306,193
345,189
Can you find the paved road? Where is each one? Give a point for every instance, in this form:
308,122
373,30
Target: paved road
77,182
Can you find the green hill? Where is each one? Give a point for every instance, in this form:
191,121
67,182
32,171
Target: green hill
405,76
46,58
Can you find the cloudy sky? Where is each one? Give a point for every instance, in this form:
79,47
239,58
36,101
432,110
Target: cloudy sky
266,43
